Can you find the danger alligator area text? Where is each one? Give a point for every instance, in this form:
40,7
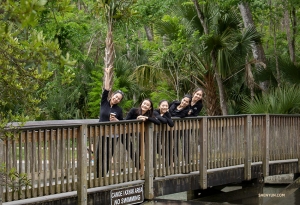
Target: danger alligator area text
128,195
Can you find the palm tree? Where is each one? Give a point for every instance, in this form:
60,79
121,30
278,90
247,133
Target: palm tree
188,53
112,10
227,43
281,100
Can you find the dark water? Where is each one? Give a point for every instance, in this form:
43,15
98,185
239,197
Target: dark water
270,195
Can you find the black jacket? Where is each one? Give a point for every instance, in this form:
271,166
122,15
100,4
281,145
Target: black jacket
133,114
106,109
178,113
165,119
195,109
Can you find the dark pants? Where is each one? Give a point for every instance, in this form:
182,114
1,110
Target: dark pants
107,150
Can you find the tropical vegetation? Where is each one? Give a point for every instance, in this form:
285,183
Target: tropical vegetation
243,53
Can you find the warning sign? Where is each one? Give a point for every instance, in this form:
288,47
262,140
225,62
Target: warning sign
128,195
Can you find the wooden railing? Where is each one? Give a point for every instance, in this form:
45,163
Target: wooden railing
57,155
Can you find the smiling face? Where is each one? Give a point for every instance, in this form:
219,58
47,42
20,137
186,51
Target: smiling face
116,98
185,102
145,106
197,95
163,107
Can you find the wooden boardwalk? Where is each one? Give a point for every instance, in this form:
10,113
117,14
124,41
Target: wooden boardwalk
197,153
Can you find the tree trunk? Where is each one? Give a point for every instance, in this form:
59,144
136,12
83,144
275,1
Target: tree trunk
294,27
211,99
257,49
149,32
223,102
200,16
250,79
289,36
109,53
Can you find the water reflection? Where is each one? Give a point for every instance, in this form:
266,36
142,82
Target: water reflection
270,195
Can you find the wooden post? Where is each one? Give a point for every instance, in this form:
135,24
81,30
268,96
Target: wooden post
203,155
298,143
142,148
1,161
149,174
248,147
266,145
82,165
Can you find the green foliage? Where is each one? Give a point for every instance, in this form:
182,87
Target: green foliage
13,179
162,92
26,56
281,100
95,93
151,11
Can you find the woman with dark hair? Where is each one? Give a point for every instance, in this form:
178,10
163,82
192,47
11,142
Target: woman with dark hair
180,108
196,103
164,139
109,111
162,113
143,112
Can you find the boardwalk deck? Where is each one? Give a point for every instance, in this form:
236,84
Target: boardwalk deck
196,153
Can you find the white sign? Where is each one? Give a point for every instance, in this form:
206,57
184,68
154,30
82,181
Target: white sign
128,195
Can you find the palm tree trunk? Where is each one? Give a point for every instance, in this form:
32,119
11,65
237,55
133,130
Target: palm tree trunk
250,79
289,36
257,49
211,99
149,32
109,54
223,102
200,16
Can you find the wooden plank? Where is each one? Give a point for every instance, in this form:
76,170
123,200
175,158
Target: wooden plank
203,155
39,166
1,162
45,164
149,174
265,144
248,147
298,142
142,148
171,152
26,160
33,162
63,161
82,166
68,157
57,158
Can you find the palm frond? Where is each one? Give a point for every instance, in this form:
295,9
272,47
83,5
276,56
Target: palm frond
280,100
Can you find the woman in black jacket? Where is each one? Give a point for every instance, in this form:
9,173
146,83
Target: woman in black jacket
143,112
163,115
180,108
196,103
109,111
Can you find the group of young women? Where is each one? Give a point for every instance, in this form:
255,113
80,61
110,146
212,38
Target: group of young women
188,106
111,111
